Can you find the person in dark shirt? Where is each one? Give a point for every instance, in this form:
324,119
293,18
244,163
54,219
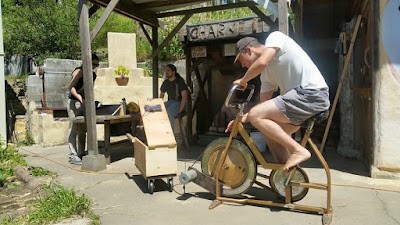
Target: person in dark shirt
76,107
177,91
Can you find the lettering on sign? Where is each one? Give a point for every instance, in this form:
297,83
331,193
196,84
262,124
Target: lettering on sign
199,51
213,31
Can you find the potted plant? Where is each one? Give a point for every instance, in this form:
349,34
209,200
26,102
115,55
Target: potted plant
122,76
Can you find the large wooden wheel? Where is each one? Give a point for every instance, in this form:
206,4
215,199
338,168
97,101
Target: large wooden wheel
238,170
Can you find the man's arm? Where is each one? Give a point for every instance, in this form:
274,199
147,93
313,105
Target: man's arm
76,75
258,66
184,94
162,95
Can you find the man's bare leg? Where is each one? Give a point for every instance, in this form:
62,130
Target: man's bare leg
265,117
279,152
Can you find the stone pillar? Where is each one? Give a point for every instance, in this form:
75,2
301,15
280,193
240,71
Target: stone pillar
122,50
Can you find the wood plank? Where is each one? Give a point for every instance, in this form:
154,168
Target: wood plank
156,124
128,9
189,100
339,88
153,163
103,18
154,46
140,155
170,36
206,9
262,16
107,144
228,29
145,32
283,17
113,119
159,4
88,77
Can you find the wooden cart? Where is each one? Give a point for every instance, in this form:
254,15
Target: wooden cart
156,153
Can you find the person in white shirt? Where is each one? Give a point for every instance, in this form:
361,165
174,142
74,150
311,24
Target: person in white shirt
304,93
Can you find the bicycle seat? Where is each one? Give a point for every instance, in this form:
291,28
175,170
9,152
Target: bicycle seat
318,118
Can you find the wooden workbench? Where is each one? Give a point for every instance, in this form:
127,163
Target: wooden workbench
107,120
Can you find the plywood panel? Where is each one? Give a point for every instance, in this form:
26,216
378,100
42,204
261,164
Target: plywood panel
158,162
140,155
156,125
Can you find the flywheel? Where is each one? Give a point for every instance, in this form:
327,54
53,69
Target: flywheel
238,170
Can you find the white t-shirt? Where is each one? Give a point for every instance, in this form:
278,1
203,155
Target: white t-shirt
290,67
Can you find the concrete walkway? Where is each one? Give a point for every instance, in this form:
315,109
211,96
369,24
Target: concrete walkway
121,197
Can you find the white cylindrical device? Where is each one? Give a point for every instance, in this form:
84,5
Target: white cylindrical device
187,176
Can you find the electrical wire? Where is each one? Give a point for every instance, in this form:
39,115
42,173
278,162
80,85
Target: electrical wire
135,173
78,170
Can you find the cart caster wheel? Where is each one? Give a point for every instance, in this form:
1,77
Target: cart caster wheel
151,186
170,184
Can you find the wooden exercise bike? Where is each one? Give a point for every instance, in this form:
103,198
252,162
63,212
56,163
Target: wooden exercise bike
229,169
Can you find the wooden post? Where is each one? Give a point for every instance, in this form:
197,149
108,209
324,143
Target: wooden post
170,36
107,12
342,76
283,17
88,77
189,117
154,46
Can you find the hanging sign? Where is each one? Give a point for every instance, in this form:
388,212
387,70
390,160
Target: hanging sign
199,51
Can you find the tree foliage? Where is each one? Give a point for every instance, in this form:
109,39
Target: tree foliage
41,28
50,28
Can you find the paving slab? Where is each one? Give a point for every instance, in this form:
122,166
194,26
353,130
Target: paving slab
120,194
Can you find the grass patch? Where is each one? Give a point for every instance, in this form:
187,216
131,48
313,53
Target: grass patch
60,204
9,158
40,172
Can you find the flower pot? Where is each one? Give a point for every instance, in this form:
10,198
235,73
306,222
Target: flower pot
122,81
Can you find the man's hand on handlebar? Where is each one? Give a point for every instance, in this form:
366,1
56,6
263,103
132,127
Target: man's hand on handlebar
241,83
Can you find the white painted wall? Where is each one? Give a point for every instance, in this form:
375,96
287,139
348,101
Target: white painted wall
387,93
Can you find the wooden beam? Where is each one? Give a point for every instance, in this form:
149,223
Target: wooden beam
127,9
342,76
145,32
298,12
171,35
283,17
107,12
206,9
154,45
160,4
189,117
88,77
262,16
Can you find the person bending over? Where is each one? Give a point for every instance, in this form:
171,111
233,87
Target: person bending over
304,93
76,107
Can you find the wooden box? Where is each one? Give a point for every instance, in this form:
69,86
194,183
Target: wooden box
159,156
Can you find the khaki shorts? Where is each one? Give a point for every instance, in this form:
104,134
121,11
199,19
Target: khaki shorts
300,104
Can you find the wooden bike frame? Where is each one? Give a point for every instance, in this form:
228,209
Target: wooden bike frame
238,128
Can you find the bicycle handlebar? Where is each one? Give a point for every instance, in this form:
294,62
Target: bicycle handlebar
233,89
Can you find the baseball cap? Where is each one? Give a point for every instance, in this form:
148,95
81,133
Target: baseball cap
242,44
